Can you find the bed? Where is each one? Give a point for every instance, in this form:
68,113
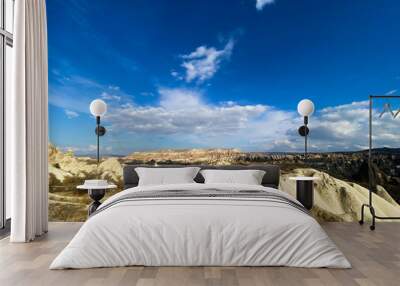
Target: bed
198,224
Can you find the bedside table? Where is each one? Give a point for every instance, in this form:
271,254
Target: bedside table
96,193
305,190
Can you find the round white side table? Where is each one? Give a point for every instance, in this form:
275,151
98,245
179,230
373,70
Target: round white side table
96,193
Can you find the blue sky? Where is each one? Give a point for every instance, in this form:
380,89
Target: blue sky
203,74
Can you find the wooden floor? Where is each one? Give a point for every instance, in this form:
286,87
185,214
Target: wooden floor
375,257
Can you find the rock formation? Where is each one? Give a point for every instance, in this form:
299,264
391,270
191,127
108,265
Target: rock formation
189,156
335,199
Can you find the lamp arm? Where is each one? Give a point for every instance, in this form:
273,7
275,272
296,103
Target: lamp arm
305,138
98,139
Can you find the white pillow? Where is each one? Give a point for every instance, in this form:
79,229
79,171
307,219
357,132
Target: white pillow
248,177
166,176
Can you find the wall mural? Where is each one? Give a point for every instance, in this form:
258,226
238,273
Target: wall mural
200,82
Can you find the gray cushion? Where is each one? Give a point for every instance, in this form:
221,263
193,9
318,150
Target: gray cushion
270,179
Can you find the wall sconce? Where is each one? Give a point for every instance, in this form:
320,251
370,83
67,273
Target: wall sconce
305,109
98,108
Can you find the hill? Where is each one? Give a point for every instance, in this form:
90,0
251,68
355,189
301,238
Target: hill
335,199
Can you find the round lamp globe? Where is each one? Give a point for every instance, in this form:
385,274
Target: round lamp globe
98,107
305,107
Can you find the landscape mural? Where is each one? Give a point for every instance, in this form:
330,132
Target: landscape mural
218,83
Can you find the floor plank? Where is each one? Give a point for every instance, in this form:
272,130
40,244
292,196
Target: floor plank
375,257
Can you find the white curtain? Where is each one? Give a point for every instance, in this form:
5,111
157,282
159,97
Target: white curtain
27,123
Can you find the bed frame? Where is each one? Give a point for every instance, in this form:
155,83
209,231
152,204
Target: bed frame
270,179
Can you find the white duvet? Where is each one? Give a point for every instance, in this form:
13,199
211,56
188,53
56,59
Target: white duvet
200,231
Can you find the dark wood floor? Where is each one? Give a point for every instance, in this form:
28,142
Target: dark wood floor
375,257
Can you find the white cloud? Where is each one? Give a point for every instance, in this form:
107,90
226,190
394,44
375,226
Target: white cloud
390,92
90,149
76,93
176,75
108,96
204,62
114,87
184,116
345,127
71,114
183,112
261,3
177,99
146,93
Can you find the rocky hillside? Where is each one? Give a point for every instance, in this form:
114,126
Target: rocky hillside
185,157
66,164
349,166
338,200
66,171
335,199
